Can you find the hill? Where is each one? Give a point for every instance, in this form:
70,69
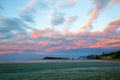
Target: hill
106,56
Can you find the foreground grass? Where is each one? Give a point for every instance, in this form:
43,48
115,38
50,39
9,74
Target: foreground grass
61,71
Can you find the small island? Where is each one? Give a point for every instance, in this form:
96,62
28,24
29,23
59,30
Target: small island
55,58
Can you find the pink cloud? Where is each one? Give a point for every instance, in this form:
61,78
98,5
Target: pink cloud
2,53
65,40
106,43
47,32
53,49
113,26
21,36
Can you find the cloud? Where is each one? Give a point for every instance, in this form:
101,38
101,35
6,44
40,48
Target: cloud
28,11
114,25
10,27
82,39
70,20
47,32
44,5
99,6
28,17
57,18
12,24
21,36
53,49
65,4
50,41
14,32
29,6
34,6
113,2
93,16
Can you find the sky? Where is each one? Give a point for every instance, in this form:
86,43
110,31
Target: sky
68,28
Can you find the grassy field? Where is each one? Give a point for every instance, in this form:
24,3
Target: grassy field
60,71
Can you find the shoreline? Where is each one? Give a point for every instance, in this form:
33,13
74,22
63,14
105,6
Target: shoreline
53,61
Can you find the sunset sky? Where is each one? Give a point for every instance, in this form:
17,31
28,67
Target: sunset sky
69,28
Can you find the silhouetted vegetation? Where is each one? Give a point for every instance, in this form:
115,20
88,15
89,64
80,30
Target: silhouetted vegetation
55,58
106,56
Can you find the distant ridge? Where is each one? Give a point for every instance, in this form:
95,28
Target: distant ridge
106,56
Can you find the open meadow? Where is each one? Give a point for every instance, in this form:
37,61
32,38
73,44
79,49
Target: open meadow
98,70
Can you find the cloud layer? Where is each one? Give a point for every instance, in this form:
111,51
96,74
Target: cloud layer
51,41
18,34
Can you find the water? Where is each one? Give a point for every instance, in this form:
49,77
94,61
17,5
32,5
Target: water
53,61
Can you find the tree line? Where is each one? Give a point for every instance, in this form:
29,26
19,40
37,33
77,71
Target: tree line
106,56
55,58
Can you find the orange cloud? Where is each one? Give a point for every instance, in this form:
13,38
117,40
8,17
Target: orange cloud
93,15
91,18
113,41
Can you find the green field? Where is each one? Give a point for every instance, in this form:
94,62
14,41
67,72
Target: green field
61,71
